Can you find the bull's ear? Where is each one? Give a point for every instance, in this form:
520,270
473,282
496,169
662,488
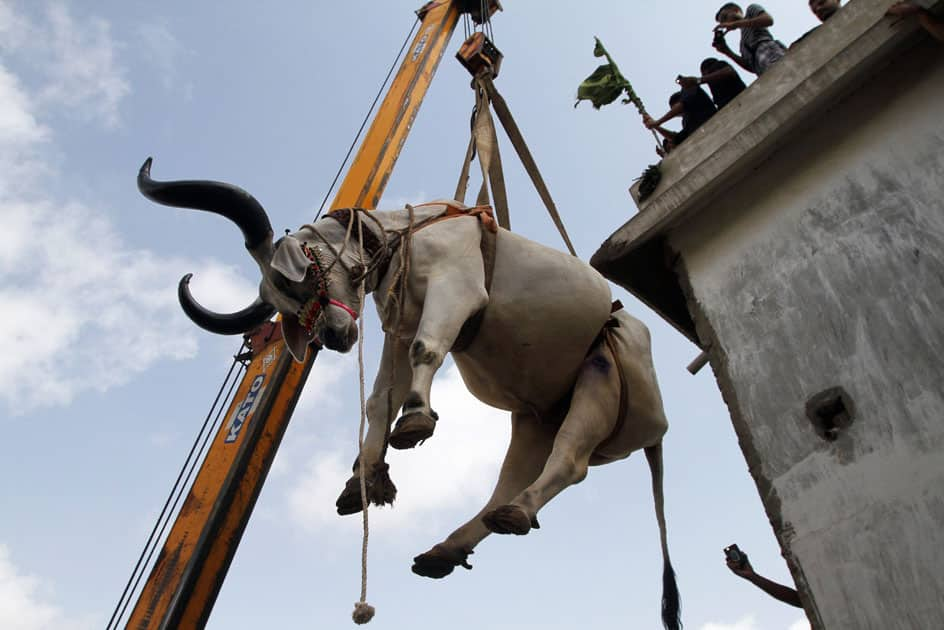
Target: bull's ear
289,259
296,338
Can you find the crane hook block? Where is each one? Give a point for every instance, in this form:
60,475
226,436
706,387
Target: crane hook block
478,54
474,9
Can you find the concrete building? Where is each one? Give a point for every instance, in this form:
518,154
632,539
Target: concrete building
798,236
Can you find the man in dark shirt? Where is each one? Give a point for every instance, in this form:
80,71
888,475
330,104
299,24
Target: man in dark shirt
691,103
721,79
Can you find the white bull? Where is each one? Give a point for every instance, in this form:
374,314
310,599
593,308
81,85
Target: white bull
578,381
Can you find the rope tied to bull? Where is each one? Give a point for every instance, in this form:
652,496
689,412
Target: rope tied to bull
363,612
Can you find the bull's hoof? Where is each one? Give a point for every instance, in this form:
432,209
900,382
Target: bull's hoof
508,519
412,429
439,561
380,491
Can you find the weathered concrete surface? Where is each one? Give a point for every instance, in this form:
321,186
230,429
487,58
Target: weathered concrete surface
825,268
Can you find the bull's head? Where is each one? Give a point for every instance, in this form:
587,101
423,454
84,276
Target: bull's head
300,280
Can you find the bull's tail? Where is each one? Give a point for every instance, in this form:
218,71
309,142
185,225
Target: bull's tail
671,605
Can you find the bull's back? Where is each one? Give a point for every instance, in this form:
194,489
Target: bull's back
545,309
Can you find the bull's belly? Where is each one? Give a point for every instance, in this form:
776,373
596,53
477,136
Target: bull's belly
487,382
528,362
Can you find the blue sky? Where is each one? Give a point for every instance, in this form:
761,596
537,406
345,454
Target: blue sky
106,381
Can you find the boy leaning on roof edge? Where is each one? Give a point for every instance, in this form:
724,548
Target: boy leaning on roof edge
758,49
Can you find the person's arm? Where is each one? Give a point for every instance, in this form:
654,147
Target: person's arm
665,133
780,592
761,20
722,47
931,23
722,73
758,21
652,124
676,111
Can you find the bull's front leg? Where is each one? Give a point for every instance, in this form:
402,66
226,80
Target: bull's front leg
389,391
450,300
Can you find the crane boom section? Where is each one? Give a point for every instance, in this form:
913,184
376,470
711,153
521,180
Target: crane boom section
366,179
186,579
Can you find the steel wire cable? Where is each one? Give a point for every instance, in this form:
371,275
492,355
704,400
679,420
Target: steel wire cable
370,111
193,465
160,525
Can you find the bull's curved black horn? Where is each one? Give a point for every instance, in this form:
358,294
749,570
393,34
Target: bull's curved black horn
222,323
227,200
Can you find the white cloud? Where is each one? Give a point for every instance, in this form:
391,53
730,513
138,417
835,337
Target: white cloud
18,126
80,309
454,471
14,28
84,312
162,49
749,623
397,202
21,135
322,389
75,59
83,71
22,605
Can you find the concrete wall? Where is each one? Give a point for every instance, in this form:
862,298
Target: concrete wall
825,268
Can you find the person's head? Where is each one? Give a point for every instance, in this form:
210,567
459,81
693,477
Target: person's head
728,13
709,65
824,9
675,98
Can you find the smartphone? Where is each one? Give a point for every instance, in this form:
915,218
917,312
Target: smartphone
735,555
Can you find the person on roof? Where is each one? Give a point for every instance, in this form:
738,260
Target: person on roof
721,78
691,103
822,9
933,24
759,50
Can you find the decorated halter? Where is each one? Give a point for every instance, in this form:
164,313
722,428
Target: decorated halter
312,310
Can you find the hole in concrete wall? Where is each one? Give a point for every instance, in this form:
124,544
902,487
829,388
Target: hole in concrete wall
831,411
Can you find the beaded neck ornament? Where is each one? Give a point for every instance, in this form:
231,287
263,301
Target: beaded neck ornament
313,309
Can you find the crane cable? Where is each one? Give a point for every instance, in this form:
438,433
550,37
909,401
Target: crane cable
370,111
182,482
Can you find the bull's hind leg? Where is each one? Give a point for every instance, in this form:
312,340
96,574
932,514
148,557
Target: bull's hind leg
530,445
590,420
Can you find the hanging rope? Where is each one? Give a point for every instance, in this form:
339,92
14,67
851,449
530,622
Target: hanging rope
370,111
396,295
363,612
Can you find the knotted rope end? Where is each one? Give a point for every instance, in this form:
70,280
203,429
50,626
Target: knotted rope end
363,613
